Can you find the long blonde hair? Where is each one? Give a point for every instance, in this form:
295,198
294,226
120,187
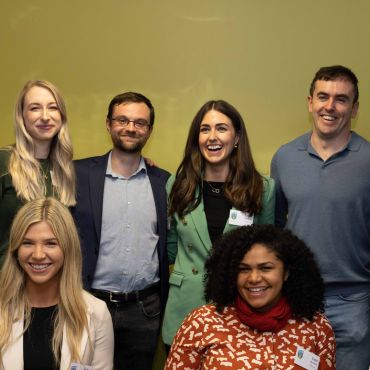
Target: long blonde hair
25,169
71,312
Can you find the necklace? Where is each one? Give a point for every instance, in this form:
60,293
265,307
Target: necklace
213,189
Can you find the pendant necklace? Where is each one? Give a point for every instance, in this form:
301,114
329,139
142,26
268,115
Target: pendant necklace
213,189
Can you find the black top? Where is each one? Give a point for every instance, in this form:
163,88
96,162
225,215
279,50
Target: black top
37,340
216,207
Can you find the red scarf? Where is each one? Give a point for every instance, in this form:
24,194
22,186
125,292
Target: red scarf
272,320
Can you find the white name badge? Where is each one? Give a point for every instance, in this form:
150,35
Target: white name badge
306,359
75,366
239,218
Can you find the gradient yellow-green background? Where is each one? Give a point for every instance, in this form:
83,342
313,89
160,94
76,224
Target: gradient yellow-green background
260,55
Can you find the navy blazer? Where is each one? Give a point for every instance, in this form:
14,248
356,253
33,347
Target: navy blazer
87,213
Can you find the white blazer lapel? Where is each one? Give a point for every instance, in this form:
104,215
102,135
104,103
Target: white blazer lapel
13,356
65,357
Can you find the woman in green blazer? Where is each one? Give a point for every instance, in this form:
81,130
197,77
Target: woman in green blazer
216,189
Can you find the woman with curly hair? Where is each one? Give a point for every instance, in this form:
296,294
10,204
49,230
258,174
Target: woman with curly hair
47,321
216,189
40,162
266,296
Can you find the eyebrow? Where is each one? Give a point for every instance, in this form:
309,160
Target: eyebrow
322,93
259,264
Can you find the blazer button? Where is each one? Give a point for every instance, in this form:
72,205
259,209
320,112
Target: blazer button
190,247
194,271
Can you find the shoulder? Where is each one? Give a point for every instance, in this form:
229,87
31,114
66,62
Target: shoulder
290,148
319,324
159,172
360,143
268,183
85,162
208,313
4,160
170,182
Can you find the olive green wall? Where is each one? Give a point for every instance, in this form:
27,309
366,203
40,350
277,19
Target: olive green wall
260,55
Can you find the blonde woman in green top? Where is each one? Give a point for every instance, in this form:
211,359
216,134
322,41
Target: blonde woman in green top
40,162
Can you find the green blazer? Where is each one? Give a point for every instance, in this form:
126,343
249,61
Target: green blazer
188,244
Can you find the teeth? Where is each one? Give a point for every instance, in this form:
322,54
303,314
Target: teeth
39,267
214,147
328,118
256,289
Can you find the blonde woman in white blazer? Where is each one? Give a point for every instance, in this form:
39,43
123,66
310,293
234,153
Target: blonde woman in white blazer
42,271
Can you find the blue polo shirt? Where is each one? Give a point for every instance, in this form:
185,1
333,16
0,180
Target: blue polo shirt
327,204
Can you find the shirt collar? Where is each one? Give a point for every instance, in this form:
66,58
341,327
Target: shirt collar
305,144
109,172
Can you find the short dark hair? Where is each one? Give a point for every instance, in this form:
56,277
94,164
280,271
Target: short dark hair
304,288
334,72
131,97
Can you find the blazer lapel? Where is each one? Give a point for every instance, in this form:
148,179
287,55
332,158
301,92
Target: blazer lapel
199,220
65,356
96,183
13,356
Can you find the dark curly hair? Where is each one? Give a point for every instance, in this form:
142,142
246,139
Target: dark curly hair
304,288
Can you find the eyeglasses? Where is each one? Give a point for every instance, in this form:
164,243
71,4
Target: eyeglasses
138,123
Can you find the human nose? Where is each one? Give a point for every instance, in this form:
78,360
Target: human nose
38,252
329,105
212,134
45,115
254,276
130,125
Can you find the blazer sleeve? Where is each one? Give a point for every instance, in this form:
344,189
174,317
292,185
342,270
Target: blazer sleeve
267,215
104,341
172,232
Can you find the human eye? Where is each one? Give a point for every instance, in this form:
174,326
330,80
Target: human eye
26,243
244,268
141,123
342,99
322,97
222,128
34,108
122,120
266,268
51,243
53,107
204,129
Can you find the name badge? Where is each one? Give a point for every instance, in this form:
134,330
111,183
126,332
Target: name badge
240,218
306,359
75,366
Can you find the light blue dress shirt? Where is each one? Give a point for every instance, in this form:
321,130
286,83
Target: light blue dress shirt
128,258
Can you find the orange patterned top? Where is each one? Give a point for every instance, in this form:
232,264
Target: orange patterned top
208,340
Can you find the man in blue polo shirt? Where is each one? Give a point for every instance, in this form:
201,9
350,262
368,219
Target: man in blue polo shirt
323,196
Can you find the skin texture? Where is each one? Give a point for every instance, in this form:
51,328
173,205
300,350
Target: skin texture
41,115
261,278
41,249
217,138
129,139
332,107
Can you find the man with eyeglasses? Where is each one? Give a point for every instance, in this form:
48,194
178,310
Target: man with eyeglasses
121,215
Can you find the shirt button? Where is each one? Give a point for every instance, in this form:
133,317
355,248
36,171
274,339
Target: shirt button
194,271
190,247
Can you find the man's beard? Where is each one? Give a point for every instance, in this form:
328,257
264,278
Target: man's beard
130,149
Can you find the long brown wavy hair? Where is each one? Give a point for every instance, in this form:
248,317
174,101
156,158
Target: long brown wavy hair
243,185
